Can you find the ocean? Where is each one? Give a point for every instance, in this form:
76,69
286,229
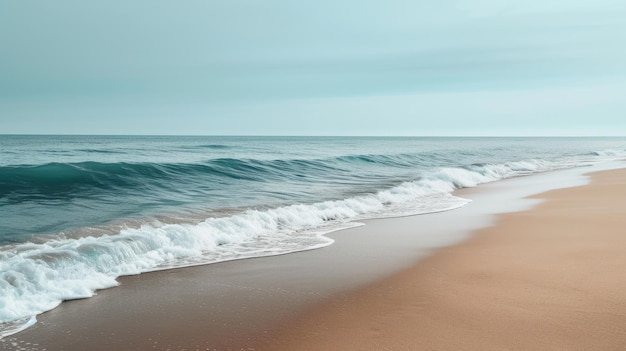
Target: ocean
76,212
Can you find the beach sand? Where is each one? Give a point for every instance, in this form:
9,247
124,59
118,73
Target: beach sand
549,278
552,278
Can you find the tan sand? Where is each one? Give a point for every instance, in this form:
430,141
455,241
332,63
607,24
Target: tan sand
552,278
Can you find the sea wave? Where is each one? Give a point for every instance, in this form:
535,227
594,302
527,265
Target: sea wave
610,153
75,179
84,179
36,277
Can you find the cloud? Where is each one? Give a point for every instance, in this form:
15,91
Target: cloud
135,58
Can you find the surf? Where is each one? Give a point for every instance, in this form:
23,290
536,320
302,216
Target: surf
72,226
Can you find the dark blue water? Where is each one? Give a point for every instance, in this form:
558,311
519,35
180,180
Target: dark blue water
87,209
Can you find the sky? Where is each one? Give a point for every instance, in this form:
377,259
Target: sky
325,67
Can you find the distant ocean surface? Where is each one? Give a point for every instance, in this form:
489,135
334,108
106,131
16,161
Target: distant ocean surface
76,212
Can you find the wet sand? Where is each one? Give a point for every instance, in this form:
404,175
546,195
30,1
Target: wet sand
552,278
342,296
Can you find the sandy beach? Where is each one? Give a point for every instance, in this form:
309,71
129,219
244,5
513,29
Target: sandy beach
551,278
328,175
548,278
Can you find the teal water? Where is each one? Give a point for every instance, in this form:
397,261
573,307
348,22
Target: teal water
76,212
70,182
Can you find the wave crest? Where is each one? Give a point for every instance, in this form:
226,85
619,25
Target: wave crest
36,277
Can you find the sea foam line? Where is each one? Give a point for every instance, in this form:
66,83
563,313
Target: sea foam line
37,277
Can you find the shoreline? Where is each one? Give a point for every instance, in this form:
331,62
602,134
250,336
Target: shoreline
238,304
548,278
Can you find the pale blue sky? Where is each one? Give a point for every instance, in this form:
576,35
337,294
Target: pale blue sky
340,67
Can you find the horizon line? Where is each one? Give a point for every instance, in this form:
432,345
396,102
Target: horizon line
320,136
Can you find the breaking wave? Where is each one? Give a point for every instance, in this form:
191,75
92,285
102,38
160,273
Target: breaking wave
36,277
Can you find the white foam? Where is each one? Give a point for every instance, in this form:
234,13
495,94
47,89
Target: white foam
37,277
16,326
